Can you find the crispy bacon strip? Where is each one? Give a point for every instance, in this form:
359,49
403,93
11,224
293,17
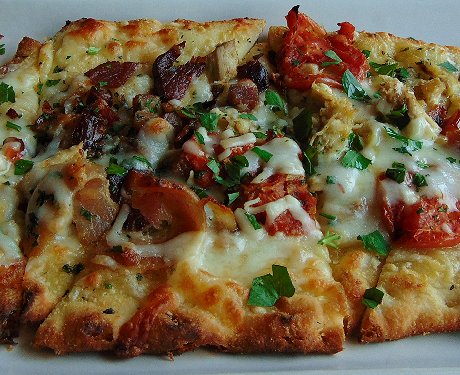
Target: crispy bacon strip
113,73
172,82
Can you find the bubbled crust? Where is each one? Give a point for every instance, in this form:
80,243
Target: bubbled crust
422,295
11,300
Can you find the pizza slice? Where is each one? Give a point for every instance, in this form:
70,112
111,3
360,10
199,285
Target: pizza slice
381,114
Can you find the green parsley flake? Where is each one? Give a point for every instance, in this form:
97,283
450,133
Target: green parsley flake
264,155
422,165
199,138
355,142
451,159
108,286
2,49
275,101
331,180
267,289
93,50
353,88
448,66
309,155
372,298
7,93
213,165
253,220
115,169
260,135
52,82
419,180
330,240
201,193
332,55
408,145
11,125
392,70
248,116
75,269
22,166
366,53
86,214
209,120
232,197
354,159
375,242
397,173
329,217
303,125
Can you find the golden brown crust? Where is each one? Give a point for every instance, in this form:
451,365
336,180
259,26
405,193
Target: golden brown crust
26,47
422,295
11,300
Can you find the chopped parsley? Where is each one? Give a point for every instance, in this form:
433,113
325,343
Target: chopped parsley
354,159
139,277
275,101
117,249
213,165
57,69
408,145
451,159
330,240
397,173
260,135
366,53
331,180
392,70
267,289
2,49
448,66
116,169
92,51
232,197
422,165
14,126
355,142
108,286
201,193
52,82
209,120
329,217
264,155
86,214
75,269
199,138
419,180
372,297
253,220
7,93
332,55
353,88
375,241
302,126
248,116
22,166
309,154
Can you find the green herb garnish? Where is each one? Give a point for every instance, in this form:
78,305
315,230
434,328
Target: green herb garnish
372,298
253,220
275,101
264,155
267,289
353,88
7,93
332,55
448,66
11,125
330,240
375,242
248,116
93,51
22,166
354,159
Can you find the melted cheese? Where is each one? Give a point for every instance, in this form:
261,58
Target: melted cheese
285,160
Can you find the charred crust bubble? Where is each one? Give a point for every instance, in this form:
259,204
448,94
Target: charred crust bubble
172,82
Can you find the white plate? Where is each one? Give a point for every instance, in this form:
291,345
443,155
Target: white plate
432,21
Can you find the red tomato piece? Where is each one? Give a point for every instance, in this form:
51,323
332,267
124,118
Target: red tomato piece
451,128
306,43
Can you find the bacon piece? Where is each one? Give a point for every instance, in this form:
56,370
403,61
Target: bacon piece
256,72
12,114
169,208
114,73
96,94
244,95
172,82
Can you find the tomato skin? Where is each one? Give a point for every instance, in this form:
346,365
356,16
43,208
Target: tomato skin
277,187
420,225
306,42
13,148
451,128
